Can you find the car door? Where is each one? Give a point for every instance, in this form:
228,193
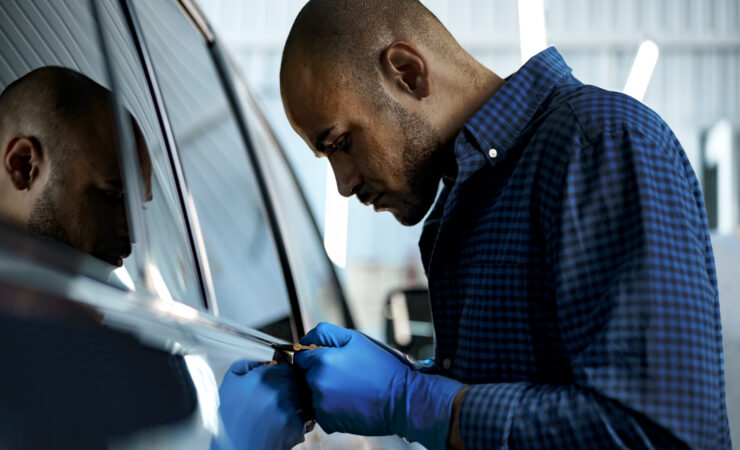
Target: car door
132,356
98,355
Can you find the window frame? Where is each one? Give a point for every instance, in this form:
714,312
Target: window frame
220,64
190,218
184,314
227,72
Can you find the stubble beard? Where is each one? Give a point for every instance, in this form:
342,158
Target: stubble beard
421,166
44,220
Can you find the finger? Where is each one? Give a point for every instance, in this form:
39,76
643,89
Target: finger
281,370
327,335
398,354
243,366
325,422
305,400
308,359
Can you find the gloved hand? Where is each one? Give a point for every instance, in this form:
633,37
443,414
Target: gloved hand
260,406
358,387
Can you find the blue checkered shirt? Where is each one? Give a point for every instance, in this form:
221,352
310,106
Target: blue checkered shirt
571,274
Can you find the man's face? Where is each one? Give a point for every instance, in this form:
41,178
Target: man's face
82,203
378,150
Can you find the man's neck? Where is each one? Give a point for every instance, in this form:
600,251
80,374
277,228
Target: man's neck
482,91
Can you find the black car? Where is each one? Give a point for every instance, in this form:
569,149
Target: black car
215,257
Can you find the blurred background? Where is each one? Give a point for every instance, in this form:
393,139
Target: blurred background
680,57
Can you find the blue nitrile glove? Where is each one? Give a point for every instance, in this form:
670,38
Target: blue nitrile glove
260,406
426,365
358,387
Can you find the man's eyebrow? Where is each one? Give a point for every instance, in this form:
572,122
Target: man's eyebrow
321,138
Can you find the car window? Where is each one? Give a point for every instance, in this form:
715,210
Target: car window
60,99
68,378
241,251
168,259
318,290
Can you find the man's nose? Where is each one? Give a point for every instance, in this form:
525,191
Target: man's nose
348,178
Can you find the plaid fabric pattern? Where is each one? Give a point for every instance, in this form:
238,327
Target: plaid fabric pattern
572,277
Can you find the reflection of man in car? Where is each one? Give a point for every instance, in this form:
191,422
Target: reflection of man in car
60,176
66,381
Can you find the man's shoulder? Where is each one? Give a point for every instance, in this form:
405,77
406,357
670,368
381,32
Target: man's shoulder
583,121
598,111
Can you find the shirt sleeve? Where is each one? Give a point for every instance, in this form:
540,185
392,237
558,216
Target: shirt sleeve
632,274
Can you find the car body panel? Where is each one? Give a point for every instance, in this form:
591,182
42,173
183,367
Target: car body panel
166,295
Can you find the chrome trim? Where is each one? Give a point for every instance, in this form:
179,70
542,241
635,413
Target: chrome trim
23,264
186,201
132,178
196,16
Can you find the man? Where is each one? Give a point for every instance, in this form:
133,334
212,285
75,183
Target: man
570,268
60,177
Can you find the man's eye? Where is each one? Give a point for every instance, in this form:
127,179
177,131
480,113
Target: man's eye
113,194
340,146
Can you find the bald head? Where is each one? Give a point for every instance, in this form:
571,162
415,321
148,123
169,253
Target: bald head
60,176
49,102
346,37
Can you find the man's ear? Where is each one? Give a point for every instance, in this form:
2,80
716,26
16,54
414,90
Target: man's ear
21,160
404,66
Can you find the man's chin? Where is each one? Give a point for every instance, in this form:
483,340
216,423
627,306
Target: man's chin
413,211
407,223
406,218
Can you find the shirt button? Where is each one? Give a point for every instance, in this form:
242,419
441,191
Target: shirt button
492,153
446,363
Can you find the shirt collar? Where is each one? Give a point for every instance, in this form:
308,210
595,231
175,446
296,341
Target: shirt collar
496,126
